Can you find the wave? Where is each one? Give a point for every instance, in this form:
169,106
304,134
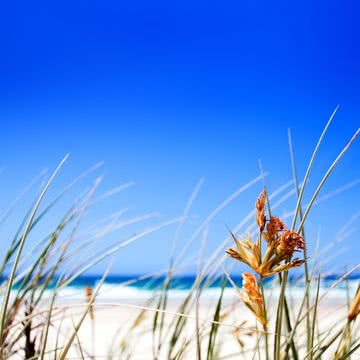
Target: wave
118,288
117,293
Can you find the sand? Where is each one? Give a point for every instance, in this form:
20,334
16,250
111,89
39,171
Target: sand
116,328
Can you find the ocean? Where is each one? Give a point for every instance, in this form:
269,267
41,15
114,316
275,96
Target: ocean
121,287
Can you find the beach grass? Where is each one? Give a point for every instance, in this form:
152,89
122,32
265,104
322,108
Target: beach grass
262,321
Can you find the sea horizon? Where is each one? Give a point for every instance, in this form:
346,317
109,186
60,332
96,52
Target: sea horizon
126,287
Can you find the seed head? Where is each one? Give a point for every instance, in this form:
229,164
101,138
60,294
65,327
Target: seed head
88,293
248,252
251,287
260,210
245,251
252,297
289,242
281,245
273,228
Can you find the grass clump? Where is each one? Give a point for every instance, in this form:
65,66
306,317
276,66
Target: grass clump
36,324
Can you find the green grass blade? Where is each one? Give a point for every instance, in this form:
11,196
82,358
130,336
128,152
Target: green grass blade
308,170
314,318
327,174
215,326
21,245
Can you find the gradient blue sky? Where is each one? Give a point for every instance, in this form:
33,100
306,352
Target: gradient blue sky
169,92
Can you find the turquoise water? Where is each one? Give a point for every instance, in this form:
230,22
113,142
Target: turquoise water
116,287
186,281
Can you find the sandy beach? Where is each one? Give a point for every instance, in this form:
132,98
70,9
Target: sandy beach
124,329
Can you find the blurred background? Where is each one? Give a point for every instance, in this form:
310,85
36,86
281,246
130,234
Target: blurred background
168,93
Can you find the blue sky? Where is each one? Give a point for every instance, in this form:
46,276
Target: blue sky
168,92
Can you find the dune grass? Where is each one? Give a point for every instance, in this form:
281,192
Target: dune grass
271,325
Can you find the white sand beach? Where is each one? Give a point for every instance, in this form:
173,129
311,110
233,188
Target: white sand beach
124,329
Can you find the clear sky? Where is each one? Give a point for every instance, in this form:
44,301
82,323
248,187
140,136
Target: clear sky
167,92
